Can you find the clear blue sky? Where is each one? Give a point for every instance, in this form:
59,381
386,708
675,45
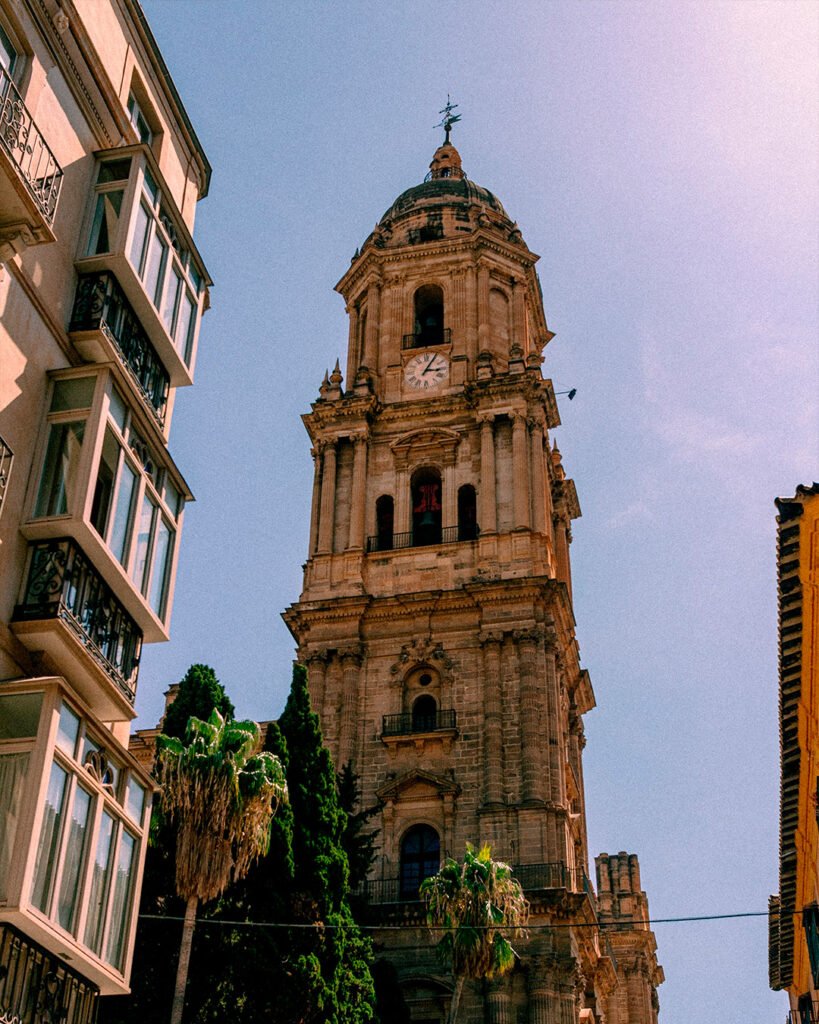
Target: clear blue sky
662,159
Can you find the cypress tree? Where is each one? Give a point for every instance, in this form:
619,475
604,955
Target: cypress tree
199,693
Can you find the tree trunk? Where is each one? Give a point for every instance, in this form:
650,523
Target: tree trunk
184,960
456,998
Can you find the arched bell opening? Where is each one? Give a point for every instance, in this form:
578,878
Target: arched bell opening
429,316
384,522
420,858
426,507
425,713
467,513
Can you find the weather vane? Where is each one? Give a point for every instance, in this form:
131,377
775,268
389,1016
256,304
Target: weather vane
449,118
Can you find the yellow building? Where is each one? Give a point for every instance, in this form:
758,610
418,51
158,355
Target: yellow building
101,293
794,921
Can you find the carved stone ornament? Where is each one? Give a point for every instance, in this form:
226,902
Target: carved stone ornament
421,650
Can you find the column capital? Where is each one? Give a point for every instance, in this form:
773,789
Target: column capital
322,654
488,638
535,422
326,444
353,653
486,418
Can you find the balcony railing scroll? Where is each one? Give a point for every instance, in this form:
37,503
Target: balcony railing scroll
24,143
6,459
427,339
35,985
413,722
445,535
100,304
62,584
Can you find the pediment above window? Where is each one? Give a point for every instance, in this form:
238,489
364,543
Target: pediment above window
434,445
418,784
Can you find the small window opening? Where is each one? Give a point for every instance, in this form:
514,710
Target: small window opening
467,513
429,316
384,518
424,714
139,121
425,679
8,55
426,508
420,858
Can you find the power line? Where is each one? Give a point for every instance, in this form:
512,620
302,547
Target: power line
321,925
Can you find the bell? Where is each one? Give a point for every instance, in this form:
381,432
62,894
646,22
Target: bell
427,520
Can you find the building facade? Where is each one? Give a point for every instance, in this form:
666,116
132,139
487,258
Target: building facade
794,917
101,294
436,617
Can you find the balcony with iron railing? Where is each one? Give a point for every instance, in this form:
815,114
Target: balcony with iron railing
30,177
427,339
412,722
36,985
71,613
426,538
104,320
808,1014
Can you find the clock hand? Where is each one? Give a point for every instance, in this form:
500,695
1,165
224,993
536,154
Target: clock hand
428,366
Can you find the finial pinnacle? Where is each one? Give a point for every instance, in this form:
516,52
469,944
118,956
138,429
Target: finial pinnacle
449,118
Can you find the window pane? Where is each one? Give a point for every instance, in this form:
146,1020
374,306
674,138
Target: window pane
61,468
8,54
77,833
68,729
117,410
106,221
49,838
121,901
171,296
122,514
104,486
143,540
138,238
20,715
98,893
76,393
155,267
135,803
150,186
183,325
114,170
173,499
159,573
13,769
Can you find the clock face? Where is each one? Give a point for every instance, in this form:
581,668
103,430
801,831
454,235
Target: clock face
426,370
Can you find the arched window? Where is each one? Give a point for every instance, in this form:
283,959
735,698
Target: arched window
426,507
429,316
420,858
467,513
424,714
384,522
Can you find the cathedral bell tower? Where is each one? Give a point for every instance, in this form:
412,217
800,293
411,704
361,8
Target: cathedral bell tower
436,617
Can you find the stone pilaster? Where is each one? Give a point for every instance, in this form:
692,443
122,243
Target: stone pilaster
316,501
531,716
499,1001
317,679
520,473
328,498
493,772
489,508
484,338
351,658
539,490
359,493
373,326
471,287
353,353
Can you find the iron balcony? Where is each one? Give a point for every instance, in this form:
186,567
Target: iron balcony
417,539
26,148
427,339
101,305
409,723
63,585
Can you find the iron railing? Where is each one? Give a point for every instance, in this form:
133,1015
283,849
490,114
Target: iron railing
426,339
532,877
21,139
100,305
62,584
413,722
6,459
420,539
37,986
809,1014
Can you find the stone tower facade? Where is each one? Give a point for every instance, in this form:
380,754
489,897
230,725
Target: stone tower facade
436,617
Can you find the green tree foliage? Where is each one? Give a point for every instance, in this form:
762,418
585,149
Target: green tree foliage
358,844
480,907
199,693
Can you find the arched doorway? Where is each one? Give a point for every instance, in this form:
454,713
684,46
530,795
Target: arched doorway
429,316
467,513
420,858
424,713
384,516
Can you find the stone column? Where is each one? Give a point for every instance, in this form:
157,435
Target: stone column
373,325
561,528
314,506
449,513
542,998
519,332
353,354
402,500
553,771
471,284
489,512
484,339
499,1002
351,658
493,720
358,498
317,679
328,499
532,726
520,471
539,521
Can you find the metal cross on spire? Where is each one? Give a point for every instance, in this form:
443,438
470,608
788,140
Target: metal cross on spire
449,118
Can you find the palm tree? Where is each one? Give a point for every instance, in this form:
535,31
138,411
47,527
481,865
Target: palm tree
480,907
222,795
